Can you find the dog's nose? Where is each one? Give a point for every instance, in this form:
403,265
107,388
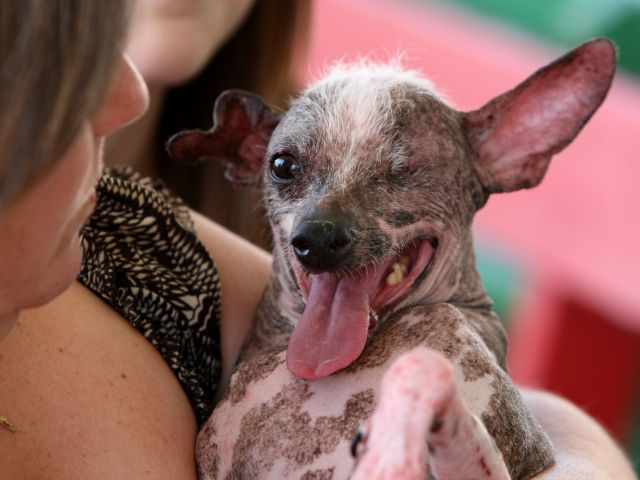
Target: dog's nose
321,245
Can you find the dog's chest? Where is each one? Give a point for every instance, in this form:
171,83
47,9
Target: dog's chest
273,425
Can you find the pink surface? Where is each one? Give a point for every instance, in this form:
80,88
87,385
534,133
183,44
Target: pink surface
581,228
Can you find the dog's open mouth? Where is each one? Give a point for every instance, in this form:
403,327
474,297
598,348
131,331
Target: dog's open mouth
340,310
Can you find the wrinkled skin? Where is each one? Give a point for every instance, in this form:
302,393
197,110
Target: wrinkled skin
370,172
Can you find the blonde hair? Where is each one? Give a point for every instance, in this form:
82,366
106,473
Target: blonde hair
56,61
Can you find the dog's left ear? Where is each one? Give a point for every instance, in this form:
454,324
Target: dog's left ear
242,127
515,135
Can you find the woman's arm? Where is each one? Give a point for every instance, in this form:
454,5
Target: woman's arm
584,451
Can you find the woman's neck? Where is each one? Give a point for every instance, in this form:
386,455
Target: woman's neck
135,145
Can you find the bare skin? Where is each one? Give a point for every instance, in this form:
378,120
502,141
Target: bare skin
273,425
392,444
91,398
421,410
77,417
582,447
85,395
370,184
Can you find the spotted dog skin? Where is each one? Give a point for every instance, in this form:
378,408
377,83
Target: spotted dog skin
373,161
419,400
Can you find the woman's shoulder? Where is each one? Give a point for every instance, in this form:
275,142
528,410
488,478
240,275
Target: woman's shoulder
90,397
142,258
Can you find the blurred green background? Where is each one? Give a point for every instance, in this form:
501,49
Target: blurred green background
569,22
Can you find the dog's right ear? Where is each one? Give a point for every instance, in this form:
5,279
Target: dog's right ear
242,127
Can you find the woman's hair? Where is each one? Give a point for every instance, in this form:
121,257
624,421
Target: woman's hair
56,62
258,58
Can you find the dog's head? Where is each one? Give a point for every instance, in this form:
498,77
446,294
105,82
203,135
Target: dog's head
371,181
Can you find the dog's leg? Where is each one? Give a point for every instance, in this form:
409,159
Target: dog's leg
420,420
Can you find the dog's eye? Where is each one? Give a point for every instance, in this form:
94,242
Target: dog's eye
284,168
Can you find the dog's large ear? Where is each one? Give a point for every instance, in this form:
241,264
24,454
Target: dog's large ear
515,135
242,127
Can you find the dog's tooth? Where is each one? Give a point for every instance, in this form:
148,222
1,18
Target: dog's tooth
399,270
404,267
396,275
392,279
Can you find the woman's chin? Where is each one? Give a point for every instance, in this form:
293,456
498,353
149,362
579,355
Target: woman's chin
173,60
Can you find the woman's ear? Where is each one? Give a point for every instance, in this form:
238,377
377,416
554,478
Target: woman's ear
515,135
242,127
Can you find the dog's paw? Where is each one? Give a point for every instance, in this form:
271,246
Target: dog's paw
422,428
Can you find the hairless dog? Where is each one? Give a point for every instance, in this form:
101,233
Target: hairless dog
370,183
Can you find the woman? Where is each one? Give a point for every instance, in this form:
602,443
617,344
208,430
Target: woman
82,394
189,52
87,395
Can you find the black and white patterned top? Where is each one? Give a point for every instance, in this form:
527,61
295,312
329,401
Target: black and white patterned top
142,257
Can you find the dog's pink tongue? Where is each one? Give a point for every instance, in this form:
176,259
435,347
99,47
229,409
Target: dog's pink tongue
333,329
